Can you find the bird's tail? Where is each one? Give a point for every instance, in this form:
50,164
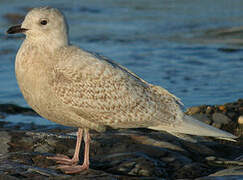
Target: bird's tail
189,125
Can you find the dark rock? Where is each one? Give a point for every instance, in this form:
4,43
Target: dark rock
228,177
220,118
14,109
231,115
202,117
230,171
4,140
7,177
197,148
192,170
241,110
217,125
209,110
125,153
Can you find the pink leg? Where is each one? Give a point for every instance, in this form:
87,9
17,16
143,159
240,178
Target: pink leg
70,169
63,159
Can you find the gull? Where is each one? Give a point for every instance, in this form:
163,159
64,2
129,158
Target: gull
73,87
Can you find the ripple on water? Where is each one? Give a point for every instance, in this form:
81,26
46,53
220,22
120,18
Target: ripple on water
182,48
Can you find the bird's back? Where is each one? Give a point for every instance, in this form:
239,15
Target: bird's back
107,93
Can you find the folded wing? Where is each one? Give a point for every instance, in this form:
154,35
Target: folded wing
102,91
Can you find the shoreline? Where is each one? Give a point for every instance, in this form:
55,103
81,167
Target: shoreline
125,153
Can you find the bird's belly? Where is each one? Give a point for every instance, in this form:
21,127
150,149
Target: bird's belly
40,97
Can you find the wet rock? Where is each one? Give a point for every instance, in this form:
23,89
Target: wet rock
228,118
222,108
210,158
192,170
14,109
139,167
153,142
198,148
228,177
230,171
7,177
202,117
125,153
193,110
241,110
217,125
209,110
220,119
240,120
4,140
223,162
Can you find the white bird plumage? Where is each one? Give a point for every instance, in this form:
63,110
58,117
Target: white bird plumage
74,87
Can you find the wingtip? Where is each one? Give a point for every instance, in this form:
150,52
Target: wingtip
233,139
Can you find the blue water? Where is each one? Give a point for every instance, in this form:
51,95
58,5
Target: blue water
176,44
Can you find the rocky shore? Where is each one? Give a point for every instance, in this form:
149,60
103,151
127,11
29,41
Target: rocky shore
125,153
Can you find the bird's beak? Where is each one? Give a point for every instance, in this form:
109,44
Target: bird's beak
16,29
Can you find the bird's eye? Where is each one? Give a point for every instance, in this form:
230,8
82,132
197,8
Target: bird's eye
43,22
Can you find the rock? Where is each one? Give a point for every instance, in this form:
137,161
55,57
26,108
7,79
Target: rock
14,109
193,110
241,110
240,120
228,177
198,148
4,140
217,125
230,171
43,148
220,118
192,170
222,108
231,115
124,153
210,158
153,142
7,177
141,167
202,117
209,110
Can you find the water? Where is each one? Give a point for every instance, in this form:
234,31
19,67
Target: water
175,44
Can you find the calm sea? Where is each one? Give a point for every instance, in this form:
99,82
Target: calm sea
192,48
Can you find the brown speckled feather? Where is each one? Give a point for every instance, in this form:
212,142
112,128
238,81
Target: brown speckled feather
105,92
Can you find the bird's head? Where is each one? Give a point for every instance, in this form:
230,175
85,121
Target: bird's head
43,25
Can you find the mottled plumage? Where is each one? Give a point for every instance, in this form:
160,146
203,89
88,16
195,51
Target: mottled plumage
106,93
73,87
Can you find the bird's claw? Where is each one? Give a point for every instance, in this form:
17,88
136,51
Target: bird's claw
63,159
72,169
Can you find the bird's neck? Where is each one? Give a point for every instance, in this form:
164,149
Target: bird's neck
47,44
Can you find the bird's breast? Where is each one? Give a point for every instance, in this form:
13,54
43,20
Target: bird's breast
32,76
